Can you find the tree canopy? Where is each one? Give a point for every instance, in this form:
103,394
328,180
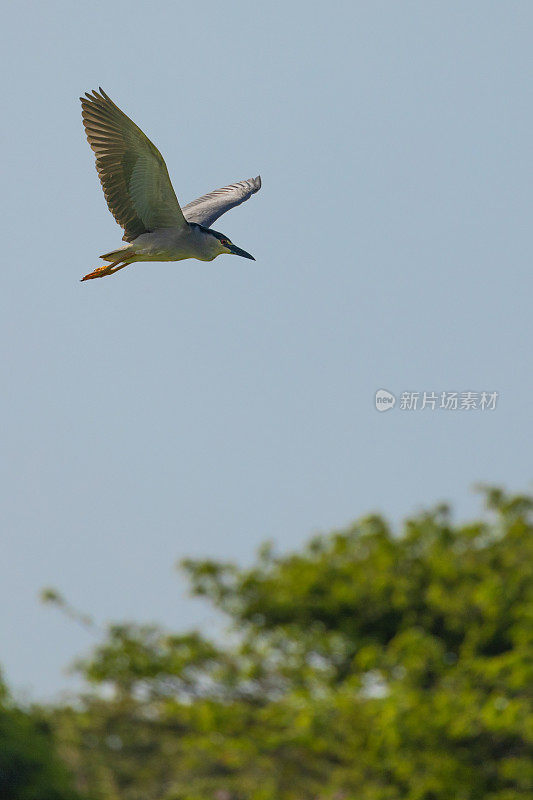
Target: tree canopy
375,664
29,768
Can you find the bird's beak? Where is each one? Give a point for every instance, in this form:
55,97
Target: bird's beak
236,251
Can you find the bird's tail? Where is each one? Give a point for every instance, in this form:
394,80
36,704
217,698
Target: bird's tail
120,254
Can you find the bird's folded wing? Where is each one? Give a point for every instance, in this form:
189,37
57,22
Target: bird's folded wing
132,171
205,210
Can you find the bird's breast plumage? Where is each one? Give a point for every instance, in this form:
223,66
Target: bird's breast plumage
172,244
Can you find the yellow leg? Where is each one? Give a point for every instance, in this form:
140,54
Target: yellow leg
108,269
121,266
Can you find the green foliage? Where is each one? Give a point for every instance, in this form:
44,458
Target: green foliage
136,656
371,665
29,768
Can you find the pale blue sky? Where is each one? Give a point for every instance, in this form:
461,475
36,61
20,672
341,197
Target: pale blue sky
194,409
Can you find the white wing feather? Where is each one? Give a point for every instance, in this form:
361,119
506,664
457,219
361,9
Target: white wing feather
208,208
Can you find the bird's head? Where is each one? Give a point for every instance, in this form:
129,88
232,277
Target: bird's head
219,244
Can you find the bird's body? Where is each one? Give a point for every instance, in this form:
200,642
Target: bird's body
140,196
170,244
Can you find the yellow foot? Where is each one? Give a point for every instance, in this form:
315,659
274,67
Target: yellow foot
109,269
99,272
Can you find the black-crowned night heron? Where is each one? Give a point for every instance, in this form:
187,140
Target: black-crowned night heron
140,196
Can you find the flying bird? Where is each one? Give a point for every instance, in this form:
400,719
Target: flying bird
140,196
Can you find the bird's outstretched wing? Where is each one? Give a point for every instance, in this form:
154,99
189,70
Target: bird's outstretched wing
206,209
132,171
